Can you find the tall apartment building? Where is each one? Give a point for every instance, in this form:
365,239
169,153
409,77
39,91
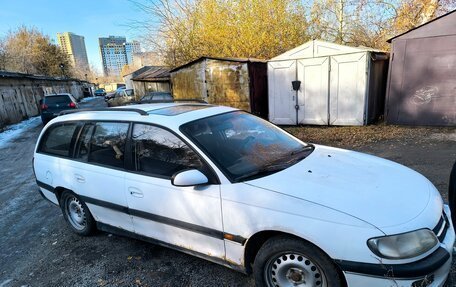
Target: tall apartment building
132,48
74,46
116,52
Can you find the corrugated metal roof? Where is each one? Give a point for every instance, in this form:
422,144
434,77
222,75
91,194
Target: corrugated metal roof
138,71
241,60
419,26
16,75
153,74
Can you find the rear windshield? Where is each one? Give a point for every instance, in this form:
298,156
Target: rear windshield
60,99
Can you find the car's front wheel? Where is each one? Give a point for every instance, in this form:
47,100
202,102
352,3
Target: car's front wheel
76,213
287,261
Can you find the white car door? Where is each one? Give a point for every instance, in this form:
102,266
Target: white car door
98,173
187,217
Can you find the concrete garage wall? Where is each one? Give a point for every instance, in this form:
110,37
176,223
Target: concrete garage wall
20,96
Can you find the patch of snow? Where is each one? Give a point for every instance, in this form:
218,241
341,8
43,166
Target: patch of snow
88,99
4,283
13,131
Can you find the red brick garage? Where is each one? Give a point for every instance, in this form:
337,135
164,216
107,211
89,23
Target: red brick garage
422,75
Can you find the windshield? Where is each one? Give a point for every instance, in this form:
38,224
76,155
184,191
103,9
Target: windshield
244,146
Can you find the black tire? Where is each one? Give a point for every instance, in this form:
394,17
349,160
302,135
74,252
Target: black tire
452,193
77,214
284,260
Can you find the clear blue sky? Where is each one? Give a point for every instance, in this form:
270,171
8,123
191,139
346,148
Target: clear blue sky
89,18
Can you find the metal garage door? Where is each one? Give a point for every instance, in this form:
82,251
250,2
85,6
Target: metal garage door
427,93
282,104
313,94
347,89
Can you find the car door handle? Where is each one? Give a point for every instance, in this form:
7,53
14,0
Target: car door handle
79,178
135,192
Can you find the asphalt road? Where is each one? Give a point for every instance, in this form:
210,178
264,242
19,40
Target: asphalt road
37,248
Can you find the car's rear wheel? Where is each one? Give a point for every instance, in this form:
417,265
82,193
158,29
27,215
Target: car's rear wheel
76,213
285,261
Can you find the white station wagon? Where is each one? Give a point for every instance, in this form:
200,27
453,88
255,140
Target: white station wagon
224,185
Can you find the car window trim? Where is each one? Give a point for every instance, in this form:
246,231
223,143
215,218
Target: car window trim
212,176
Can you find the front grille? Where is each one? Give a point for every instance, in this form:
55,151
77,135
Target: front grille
441,228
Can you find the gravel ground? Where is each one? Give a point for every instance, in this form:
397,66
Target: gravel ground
37,249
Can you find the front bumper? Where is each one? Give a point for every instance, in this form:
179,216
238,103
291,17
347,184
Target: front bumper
431,271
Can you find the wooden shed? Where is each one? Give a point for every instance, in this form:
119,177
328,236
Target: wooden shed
239,83
152,79
322,83
422,75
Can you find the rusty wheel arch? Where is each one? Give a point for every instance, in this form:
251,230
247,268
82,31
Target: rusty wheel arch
257,240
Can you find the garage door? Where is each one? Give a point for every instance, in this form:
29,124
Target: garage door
347,89
282,98
313,94
429,85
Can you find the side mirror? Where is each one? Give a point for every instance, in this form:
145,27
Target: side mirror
190,177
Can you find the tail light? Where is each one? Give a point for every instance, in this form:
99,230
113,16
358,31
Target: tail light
44,107
72,105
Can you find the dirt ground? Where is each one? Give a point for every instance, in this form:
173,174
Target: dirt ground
37,249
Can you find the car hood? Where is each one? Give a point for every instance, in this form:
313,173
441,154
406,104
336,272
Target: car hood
367,187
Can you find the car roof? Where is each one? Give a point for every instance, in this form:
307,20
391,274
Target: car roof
180,113
59,94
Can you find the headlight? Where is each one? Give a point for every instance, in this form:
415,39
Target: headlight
403,246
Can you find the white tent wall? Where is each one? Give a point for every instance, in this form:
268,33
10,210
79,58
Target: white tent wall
334,85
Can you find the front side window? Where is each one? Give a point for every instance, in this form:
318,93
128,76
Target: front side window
107,144
83,146
58,139
159,152
244,146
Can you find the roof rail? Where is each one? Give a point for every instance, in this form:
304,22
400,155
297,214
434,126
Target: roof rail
170,101
139,111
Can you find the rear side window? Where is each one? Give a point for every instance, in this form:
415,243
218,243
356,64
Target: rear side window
106,145
159,152
57,100
129,93
58,139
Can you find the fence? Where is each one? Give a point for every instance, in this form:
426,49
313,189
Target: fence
20,94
